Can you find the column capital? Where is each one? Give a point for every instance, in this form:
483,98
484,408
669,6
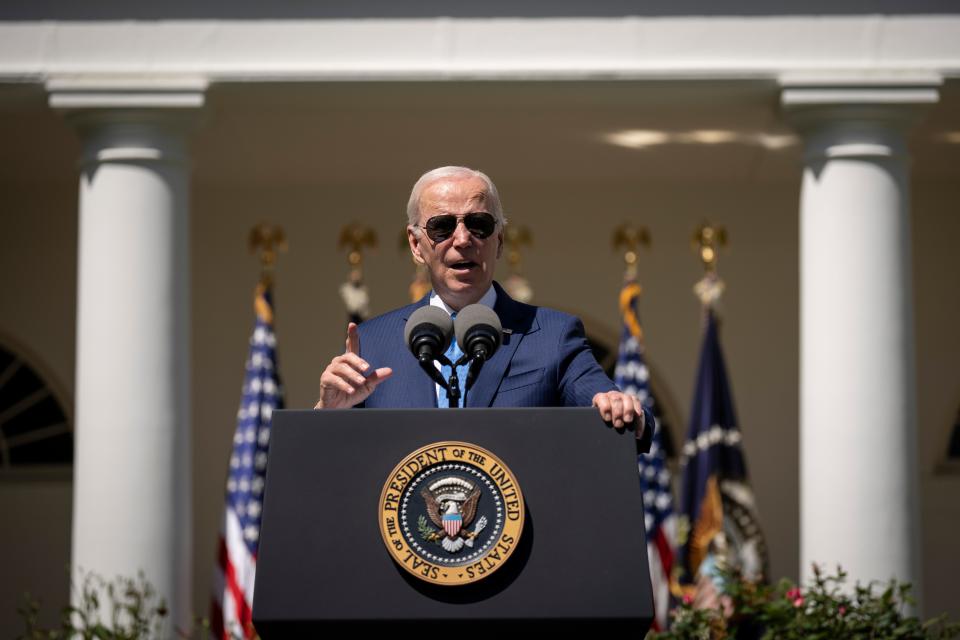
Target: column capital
84,92
857,116
129,118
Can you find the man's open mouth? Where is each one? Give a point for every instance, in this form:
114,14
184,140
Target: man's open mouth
465,265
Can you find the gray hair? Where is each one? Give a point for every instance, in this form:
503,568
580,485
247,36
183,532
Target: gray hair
413,205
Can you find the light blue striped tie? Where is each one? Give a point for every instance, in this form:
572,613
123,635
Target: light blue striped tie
453,354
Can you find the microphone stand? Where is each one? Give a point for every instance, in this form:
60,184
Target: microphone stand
453,390
476,361
452,386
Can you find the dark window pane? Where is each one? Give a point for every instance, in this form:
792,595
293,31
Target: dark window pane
44,413
34,429
55,450
19,386
954,451
5,359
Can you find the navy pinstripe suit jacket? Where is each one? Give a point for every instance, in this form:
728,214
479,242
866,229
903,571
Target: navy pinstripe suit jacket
544,361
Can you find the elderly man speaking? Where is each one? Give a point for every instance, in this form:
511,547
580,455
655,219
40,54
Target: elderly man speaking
455,228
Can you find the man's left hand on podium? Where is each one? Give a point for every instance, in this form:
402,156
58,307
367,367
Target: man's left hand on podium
620,409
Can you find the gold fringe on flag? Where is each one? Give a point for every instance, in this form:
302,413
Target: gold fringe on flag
260,305
628,293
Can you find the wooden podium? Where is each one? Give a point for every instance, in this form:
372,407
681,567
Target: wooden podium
324,561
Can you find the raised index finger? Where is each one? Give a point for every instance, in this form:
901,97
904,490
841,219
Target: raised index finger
353,339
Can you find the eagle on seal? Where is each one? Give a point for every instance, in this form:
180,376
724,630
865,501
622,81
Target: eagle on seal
452,505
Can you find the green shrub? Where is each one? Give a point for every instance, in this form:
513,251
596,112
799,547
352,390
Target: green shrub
125,609
823,609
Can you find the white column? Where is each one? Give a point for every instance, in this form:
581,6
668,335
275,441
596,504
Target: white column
132,466
858,497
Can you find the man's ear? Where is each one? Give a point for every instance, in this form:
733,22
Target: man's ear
499,244
414,241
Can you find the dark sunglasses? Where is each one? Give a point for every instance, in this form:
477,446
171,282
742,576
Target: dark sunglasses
480,225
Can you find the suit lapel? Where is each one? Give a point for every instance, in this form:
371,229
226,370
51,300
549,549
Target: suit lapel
517,320
421,391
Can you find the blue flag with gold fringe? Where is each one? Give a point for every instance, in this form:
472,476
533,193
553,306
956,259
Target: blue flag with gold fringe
718,520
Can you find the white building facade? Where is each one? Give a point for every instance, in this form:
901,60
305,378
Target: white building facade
158,100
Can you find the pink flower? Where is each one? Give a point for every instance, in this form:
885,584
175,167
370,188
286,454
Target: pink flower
796,596
842,610
687,599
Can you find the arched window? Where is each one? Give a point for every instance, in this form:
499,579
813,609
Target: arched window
35,427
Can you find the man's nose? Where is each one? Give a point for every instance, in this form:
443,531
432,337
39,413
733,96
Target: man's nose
461,237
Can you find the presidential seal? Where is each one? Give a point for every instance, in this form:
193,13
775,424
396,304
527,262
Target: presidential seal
451,513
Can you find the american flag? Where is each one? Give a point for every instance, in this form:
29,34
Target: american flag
716,494
633,377
231,615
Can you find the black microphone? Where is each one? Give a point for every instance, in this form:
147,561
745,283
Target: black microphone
478,331
479,334
428,333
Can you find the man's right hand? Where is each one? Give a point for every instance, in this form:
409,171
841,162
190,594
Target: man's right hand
343,383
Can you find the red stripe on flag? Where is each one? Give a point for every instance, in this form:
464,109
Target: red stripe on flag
243,611
664,551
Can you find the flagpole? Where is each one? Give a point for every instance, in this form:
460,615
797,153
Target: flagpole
719,525
232,603
632,375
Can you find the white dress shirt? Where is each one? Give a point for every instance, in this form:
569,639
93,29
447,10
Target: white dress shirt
488,300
